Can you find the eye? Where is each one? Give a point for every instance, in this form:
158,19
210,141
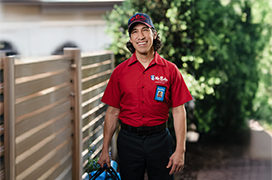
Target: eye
133,31
145,29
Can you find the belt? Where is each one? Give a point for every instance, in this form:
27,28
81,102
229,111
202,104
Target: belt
144,130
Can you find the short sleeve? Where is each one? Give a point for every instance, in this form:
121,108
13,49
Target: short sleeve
179,91
112,93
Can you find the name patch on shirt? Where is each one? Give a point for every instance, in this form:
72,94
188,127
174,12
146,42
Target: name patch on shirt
159,79
160,93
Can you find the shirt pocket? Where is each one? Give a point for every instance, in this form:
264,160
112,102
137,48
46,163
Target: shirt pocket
159,106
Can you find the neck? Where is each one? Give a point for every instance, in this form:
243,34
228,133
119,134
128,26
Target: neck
145,59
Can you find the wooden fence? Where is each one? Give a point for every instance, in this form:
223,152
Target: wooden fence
1,120
52,114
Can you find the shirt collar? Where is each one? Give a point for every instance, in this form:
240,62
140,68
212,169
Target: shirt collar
158,59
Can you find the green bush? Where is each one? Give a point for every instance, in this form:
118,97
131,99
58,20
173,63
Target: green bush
263,100
215,44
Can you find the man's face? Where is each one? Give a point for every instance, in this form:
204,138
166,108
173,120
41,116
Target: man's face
142,39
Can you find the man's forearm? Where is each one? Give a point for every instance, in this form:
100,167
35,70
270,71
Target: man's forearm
110,124
180,125
111,120
176,161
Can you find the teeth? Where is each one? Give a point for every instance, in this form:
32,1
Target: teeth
142,43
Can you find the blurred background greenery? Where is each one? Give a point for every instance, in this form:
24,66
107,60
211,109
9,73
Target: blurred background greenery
224,51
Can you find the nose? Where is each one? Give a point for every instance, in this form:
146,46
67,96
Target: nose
140,36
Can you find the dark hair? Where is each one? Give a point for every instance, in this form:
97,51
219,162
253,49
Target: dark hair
157,43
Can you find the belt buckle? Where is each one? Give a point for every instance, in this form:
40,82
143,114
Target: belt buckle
143,131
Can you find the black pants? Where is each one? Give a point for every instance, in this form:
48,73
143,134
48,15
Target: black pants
138,153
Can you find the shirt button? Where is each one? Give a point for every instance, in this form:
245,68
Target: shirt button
142,87
143,116
142,102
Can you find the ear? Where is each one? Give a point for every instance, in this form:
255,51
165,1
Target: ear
155,35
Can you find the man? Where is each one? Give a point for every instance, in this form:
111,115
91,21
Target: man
140,93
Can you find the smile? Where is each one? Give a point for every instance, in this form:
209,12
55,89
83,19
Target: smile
142,43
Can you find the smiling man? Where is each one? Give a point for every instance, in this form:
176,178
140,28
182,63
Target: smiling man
140,93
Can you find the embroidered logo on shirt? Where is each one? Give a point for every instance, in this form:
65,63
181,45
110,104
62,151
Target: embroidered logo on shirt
159,79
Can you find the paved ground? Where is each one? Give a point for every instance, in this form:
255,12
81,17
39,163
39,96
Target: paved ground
239,169
254,163
251,160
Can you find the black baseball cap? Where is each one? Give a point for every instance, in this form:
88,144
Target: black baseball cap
140,18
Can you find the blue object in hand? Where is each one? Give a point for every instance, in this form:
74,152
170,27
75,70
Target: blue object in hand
102,176
109,174
114,165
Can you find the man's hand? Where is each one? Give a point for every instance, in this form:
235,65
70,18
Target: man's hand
104,158
177,162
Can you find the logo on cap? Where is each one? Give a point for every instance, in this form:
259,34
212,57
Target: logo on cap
138,17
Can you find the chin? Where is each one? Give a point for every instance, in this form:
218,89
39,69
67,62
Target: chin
144,51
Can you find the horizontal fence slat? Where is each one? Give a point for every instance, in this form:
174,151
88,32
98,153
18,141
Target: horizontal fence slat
94,90
95,53
55,171
43,92
41,118
88,124
46,108
98,144
31,87
91,103
2,149
30,69
41,101
38,139
93,127
92,81
1,63
1,108
54,156
2,174
45,145
54,141
99,67
1,87
2,130
92,113
31,60
64,171
95,59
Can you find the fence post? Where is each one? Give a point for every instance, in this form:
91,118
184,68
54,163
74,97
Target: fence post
9,118
76,77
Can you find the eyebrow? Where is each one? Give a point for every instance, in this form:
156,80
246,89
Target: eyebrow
142,28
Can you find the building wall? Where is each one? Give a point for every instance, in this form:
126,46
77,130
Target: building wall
38,30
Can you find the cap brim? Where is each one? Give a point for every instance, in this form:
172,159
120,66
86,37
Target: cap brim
138,22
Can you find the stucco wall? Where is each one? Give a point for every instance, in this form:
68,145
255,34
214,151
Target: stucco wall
35,30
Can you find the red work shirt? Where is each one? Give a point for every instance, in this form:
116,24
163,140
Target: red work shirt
132,88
